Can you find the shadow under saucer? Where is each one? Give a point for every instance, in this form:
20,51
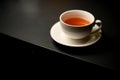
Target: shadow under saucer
87,50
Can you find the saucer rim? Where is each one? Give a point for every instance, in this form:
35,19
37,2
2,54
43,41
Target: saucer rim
80,45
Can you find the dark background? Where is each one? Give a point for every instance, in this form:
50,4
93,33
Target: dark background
26,45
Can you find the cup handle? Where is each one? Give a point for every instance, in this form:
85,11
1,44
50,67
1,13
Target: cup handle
97,26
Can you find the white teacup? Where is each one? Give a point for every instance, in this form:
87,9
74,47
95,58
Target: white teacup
78,24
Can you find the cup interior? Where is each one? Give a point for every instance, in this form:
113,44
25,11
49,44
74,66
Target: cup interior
77,14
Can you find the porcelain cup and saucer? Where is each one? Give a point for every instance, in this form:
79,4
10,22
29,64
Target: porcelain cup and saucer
72,31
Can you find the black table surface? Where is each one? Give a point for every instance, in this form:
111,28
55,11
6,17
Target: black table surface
30,21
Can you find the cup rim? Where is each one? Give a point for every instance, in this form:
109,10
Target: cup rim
60,18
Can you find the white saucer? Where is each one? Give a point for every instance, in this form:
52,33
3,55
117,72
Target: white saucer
58,36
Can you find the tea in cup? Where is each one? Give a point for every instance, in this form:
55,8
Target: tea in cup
78,24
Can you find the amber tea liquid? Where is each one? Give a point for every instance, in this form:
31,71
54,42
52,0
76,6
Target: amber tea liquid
77,21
